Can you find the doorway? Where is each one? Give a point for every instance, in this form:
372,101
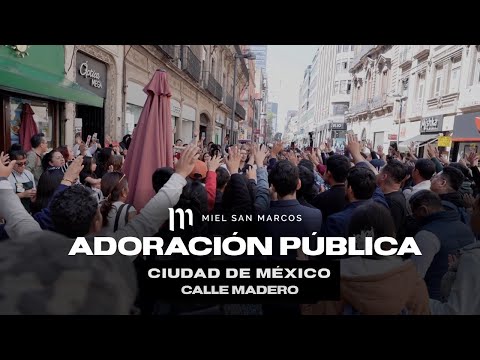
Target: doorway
93,121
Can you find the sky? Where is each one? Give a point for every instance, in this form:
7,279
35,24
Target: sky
285,68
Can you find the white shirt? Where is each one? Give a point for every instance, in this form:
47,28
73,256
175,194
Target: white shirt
424,185
24,177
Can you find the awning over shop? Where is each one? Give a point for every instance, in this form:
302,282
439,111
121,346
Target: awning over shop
420,139
466,127
20,77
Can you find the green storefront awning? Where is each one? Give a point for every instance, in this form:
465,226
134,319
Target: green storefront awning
19,77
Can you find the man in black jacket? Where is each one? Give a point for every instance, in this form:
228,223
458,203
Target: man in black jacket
287,217
333,200
390,181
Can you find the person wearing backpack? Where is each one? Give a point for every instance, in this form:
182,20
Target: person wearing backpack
115,212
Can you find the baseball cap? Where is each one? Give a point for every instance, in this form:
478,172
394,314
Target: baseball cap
199,171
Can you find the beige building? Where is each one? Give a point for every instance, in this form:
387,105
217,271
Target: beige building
200,79
201,82
371,110
417,93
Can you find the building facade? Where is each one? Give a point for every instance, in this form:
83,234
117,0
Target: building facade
54,82
417,94
374,81
334,95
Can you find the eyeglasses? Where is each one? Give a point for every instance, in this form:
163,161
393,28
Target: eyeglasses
22,163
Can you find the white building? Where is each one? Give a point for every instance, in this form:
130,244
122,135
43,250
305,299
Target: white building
416,93
373,80
333,97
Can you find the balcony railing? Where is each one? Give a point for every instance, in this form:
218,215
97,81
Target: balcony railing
420,51
168,50
360,107
240,111
212,85
361,52
405,57
191,64
229,100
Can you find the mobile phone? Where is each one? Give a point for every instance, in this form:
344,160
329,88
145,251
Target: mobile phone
87,143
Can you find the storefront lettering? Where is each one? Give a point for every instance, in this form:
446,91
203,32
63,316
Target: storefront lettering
431,124
90,73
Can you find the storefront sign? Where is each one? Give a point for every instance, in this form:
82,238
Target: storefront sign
445,141
91,74
339,126
175,108
431,124
466,127
392,137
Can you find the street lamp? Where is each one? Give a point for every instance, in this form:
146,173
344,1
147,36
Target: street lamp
250,56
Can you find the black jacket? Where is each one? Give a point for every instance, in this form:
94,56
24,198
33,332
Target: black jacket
331,201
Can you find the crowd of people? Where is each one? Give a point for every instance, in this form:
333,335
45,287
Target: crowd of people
50,198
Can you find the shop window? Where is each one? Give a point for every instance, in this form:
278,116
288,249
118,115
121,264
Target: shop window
132,116
43,116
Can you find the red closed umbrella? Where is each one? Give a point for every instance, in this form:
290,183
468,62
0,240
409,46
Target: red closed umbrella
151,145
28,127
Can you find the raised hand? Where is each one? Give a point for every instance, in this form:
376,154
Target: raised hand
233,160
4,159
73,171
353,145
472,159
277,148
260,155
214,163
292,157
186,163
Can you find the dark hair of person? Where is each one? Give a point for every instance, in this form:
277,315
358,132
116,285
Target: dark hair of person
465,171
307,178
307,163
396,170
284,178
104,160
425,198
425,167
223,177
371,220
16,154
112,185
338,165
73,211
87,170
160,177
36,140
64,151
47,184
362,181
117,162
46,160
453,176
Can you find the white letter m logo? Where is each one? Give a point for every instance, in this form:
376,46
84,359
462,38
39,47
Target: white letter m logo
182,213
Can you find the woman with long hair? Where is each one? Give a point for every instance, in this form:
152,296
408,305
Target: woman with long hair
47,184
115,211
88,177
104,159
